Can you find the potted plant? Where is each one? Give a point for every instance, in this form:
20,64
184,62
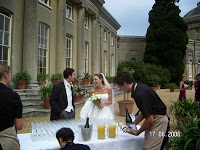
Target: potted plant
45,92
126,103
182,109
109,79
41,78
21,79
86,79
56,78
172,86
189,136
77,80
79,93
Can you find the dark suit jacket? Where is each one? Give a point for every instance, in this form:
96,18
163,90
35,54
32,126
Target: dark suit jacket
72,146
58,100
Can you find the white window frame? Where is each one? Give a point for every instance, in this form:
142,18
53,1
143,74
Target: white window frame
105,34
112,40
86,57
69,10
105,62
112,65
45,2
5,46
68,52
86,21
43,45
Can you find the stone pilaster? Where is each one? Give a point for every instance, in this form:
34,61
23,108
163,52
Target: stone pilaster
80,38
30,43
61,37
101,48
95,59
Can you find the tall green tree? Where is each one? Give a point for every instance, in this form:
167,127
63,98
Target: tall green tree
166,38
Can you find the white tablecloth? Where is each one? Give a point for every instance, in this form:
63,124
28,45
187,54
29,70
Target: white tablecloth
123,141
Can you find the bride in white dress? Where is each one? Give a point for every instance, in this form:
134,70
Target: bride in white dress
105,109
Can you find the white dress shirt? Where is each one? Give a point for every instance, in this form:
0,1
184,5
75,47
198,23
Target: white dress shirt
69,96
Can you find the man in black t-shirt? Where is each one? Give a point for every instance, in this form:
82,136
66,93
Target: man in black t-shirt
153,111
10,111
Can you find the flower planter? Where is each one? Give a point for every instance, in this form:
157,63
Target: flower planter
79,98
46,103
56,82
125,104
41,82
171,90
76,82
21,84
157,86
85,82
154,88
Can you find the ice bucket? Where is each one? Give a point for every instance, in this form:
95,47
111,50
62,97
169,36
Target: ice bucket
85,133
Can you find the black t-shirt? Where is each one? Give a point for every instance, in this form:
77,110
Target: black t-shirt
10,107
148,102
73,146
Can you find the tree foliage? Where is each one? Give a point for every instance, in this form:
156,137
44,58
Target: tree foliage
166,38
149,74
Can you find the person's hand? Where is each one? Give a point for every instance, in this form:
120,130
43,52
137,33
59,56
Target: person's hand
101,105
127,129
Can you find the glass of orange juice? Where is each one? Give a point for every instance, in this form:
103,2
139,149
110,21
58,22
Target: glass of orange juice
112,131
101,131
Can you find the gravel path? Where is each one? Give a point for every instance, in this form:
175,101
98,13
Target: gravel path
164,94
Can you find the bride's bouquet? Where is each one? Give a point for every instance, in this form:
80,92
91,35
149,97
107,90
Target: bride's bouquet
96,99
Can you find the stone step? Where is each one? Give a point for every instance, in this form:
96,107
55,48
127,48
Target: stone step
30,104
33,105
28,112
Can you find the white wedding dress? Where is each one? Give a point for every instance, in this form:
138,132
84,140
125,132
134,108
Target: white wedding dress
94,112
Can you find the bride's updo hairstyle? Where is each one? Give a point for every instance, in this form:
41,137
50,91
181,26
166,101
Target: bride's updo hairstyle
100,76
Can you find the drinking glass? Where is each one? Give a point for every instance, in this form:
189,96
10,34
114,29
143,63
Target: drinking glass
101,131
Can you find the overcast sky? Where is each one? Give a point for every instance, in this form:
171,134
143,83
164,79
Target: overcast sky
132,15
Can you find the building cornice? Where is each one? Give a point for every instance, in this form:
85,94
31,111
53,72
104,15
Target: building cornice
195,18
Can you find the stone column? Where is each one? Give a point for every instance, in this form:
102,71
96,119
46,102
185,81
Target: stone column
95,59
30,43
61,38
101,49
80,39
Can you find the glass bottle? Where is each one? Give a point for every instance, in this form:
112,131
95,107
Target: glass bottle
87,123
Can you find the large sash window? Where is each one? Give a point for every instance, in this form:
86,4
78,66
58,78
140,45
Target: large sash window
4,38
42,47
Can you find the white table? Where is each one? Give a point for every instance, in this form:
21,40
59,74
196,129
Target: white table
43,136
123,141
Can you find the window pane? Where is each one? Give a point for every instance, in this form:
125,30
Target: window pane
1,37
42,40
6,36
5,53
1,53
1,21
7,24
42,30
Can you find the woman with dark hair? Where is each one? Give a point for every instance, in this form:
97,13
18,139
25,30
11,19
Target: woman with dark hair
182,86
105,109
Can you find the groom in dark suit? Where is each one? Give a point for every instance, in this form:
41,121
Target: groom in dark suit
62,99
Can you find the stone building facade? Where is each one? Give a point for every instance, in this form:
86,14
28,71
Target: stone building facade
131,48
192,59
49,35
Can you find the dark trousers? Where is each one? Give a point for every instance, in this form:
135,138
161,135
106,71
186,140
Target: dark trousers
67,115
